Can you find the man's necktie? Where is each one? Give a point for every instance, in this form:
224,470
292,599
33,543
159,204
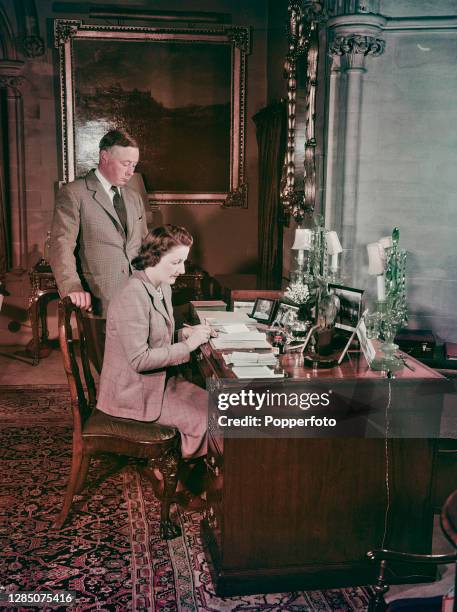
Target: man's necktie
119,207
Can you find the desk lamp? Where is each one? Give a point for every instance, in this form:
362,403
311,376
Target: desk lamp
302,243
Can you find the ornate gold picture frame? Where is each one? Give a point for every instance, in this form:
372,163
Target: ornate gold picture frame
181,92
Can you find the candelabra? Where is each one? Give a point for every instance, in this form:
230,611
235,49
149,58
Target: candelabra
389,265
323,248
309,286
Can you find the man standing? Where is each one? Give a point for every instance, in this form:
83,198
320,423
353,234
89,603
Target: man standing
97,230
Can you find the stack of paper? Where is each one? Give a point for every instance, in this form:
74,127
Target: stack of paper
232,328
241,340
245,307
223,318
249,359
257,372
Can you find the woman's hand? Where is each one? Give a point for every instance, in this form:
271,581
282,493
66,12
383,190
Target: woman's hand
196,335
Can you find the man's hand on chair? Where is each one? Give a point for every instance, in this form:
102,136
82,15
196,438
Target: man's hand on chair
82,299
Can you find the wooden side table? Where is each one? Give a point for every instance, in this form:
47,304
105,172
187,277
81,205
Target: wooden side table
194,284
44,289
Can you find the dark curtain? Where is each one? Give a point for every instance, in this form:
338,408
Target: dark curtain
271,140
4,242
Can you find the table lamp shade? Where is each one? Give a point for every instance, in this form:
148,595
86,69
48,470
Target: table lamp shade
303,239
385,242
333,243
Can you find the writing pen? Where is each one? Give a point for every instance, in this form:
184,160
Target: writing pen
214,332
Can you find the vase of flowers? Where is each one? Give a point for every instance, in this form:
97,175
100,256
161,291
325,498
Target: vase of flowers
298,294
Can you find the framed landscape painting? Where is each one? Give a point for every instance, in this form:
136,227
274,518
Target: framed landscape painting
179,92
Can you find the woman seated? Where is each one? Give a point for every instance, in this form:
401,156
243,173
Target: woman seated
138,380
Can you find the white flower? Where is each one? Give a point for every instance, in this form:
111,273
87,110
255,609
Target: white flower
297,292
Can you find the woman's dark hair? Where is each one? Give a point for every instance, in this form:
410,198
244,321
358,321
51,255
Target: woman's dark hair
158,242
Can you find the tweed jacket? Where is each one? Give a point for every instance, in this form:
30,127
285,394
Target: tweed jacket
138,350
89,250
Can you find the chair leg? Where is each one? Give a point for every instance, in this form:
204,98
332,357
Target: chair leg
148,471
378,603
168,465
454,607
85,461
76,461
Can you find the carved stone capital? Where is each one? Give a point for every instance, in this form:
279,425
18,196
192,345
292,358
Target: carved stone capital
240,38
10,74
64,30
353,7
33,46
11,82
354,48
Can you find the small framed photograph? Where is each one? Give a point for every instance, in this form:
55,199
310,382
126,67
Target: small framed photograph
350,309
284,314
264,310
365,343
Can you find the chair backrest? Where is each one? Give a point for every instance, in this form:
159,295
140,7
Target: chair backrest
82,387
449,519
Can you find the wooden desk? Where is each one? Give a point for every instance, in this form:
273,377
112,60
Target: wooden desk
301,513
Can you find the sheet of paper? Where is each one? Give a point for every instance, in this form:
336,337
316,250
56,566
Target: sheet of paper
244,336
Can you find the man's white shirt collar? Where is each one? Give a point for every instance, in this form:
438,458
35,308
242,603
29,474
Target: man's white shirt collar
105,184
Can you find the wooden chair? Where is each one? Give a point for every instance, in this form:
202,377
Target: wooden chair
96,432
449,527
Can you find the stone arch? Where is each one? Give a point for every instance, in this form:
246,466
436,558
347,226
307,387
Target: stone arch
30,42
7,38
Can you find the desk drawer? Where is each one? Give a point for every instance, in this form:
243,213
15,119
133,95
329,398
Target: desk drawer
214,488
205,367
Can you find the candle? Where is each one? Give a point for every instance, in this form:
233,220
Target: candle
375,262
381,288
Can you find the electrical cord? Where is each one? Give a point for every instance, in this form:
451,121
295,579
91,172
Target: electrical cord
387,417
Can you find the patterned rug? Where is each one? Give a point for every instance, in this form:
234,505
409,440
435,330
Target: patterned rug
109,552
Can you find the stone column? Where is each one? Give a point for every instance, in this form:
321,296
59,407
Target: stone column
333,206
11,82
353,39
